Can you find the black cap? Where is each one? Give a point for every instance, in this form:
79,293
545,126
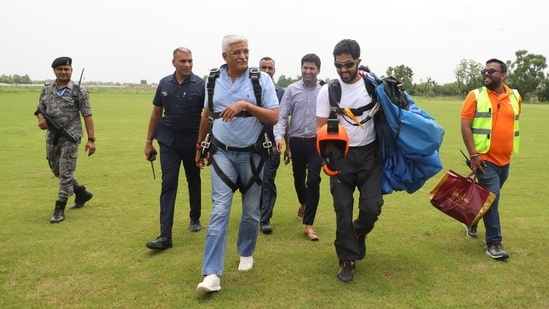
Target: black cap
61,61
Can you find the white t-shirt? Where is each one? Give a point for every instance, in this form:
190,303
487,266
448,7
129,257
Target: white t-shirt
352,96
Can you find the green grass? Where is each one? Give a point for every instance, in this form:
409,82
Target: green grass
417,256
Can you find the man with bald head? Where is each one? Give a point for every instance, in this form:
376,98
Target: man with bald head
174,123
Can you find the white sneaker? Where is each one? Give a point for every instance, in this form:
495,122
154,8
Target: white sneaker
246,263
209,284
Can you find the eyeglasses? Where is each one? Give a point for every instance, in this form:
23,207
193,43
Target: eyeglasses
237,53
348,64
489,71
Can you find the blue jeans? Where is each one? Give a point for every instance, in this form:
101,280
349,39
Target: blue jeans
235,165
268,197
493,179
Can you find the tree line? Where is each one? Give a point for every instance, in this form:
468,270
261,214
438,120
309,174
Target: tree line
525,73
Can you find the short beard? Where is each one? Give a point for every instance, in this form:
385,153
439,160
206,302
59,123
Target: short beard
492,85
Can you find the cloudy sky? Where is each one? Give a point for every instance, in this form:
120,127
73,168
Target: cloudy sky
131,40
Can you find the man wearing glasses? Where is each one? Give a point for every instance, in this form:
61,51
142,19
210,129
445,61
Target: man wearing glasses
490,131
237,121
360,169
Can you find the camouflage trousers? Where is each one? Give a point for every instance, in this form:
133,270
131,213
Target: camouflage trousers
62,161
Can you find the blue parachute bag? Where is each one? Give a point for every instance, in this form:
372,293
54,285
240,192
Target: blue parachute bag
409,138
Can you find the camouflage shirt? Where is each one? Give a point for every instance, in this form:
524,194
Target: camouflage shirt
64,108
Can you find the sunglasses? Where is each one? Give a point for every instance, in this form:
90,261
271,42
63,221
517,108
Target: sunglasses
489,71
348,64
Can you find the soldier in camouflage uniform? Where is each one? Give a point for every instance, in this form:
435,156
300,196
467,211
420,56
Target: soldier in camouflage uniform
62,102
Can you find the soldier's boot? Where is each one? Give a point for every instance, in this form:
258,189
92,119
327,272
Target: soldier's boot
58,212
81,197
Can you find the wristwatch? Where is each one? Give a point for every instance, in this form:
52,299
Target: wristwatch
91,139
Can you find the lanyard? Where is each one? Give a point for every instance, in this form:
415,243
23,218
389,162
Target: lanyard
61,92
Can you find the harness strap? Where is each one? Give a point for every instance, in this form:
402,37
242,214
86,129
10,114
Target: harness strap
214,74
255,76
219,144
255,174
334,94
226,180
243,114
238,185
359,111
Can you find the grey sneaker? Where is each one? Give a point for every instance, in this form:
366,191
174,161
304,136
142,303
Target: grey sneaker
495,251
471,231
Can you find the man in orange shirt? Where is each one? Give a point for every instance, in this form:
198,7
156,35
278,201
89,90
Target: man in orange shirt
490,131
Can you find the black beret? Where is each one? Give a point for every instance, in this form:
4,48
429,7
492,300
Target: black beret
61,61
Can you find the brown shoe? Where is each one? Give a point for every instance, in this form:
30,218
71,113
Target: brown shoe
311,235
300,212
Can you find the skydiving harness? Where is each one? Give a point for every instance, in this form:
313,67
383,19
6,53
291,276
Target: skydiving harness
349,115
263,146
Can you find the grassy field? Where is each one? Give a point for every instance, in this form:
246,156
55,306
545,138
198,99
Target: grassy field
417,256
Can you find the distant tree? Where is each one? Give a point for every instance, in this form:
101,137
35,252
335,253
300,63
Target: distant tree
143,82
426,88
468,75
403,74
526,73
543,90
15,79
284,81
450,90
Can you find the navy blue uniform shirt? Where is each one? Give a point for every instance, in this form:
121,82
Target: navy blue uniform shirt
182,109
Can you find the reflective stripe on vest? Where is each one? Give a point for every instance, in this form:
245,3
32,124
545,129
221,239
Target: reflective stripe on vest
482,123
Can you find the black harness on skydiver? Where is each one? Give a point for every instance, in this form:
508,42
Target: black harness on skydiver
263,146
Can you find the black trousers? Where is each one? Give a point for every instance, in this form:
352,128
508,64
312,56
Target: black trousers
306,166
170,161
362,168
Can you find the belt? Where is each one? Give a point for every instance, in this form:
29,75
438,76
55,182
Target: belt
219,144
303,139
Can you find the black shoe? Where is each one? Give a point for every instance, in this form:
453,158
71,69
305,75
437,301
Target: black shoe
495,251
195,225
58,216
58,212
266,228
161,243
81,197
471,231
361,239
346,270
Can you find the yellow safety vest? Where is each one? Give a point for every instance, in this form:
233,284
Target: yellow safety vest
482,123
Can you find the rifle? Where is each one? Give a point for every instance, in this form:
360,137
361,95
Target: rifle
76,90
56,128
